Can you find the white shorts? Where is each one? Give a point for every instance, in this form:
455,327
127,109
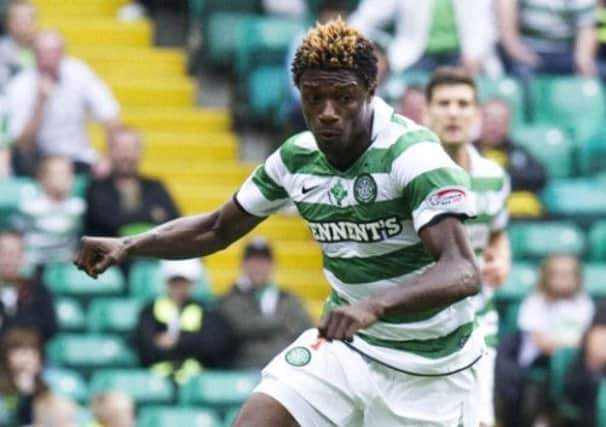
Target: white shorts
329,384
486,378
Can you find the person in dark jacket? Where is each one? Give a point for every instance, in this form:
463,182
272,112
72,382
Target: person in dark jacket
177,336
135,202
589,370
526,172
264,318
23,302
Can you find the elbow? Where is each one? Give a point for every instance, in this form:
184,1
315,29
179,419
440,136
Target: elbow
471,279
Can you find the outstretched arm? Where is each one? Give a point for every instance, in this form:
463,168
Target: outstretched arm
454,276
186,237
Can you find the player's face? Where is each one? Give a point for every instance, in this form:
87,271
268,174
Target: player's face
452,113
336,106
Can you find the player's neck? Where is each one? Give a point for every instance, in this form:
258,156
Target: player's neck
460,155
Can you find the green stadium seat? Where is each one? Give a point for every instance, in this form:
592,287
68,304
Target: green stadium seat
601,405
597,241
219,389
560,362
141,385
264,41
146,283
170,416
70,314
396,84
266,86
66,279
594,279
117,315
12,191
221,36
231,416
66,383
522,280
506,89
592,154
575,101
575,198
91,351
550,145
80,186
537,240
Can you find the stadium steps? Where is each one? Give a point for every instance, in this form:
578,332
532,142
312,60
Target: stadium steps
191,149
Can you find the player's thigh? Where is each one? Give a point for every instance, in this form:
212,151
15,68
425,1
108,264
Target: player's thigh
414,401
261,410
320,383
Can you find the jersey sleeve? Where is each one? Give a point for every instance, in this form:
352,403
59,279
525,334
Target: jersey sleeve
263,192
432,184
501,219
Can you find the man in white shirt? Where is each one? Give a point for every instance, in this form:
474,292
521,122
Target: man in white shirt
49,104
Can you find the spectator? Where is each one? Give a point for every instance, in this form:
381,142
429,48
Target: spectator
432,33
16,46
412,104
55,411
52,220
265,319
136,202
48,107
23,302
589,369
525,172
21,361
177,336
113,409
295,9
548,36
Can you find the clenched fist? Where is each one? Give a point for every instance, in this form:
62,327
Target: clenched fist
96,254
343,322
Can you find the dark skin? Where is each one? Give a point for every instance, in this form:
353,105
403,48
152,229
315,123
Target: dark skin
337,109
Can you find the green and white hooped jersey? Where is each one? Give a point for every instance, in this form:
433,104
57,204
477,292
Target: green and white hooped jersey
366,220
490,185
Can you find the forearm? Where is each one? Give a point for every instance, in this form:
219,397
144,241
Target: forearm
26,140
507,16
586,43
444,283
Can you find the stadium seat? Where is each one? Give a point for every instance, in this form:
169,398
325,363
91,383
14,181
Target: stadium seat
141,385
506,89
266,86
80,186
594,279
550,145
231,416
70,315
264,41
115,315
221,45
579,199
601,405
12,191
524,204
169,416
592,154
66,279
522,279
146,282
560,362
571,101
536,240
87,352
597,241
219,389
66,383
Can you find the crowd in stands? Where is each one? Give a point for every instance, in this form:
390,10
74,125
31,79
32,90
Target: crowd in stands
540,67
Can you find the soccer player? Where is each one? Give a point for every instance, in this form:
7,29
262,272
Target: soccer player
452,113
399,345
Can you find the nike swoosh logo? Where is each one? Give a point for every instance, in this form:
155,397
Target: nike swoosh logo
306,190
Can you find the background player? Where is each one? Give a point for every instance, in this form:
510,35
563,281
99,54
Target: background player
385,202
452,113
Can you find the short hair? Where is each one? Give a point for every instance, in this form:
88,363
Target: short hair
105,405
336,46
551,258
16,3
44,161
11,232
125,130
49,409
449,76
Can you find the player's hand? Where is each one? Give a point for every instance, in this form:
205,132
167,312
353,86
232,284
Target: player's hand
342,323
520,52
96,254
